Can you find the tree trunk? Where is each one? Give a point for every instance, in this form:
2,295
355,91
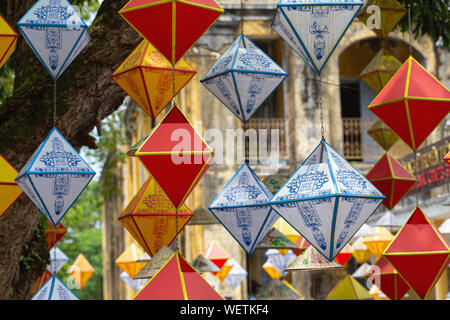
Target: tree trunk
85,95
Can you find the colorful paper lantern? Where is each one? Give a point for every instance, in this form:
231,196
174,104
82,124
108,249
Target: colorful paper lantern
391,179
302,245
8,40
243,78
379,242
326,200
387,279
177,166
314,28
43,278
128,260
281,262
447,158
364,231
444,228
272,270
344,255
380,70
286,229
349,289
54,177
242,207
203,264
156,263
217,255
274,239
81,271
177,280
312,260
147,77
391,12
8,187
54,289
419,253
382,134
276,289
412,104
360,251
225,270
172,26
361,272
377,294
57,260
388,220
50,231
236,275
56,34
151,218
134,284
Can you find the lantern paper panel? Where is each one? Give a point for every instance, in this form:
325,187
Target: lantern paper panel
389,220
314,29
217,254
387,279
203,264
412,104
8,188
43,278
54,289
236,275
60,230
58,259
380,70
225,270
391,12
327,200
55,176
176,166
55,33
148,78
419,253
177,280
391,178
349,289
128,260
281,262
134,284
8,40
151,218
272,270
382,134
361,272
286,229
312,260
360,251
276,289
274,239
364,231
344,255
243,78
447,158
242,207
156,263
172,26
379,242
81,271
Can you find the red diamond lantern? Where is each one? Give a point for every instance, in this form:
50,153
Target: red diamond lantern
384,276
60,229
447,158
175,156
419,253
177,280
43,278
217,255
172,26
344,255
412,103
394,181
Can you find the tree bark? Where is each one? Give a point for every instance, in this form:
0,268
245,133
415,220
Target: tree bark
86,94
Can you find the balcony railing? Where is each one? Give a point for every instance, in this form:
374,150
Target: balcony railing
358,145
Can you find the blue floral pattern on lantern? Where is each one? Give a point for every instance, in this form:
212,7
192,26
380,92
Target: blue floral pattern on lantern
54,289
243,78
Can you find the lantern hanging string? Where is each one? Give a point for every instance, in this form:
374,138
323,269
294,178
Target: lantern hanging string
241,13
410,29
54,251
173,105
319,101
54,103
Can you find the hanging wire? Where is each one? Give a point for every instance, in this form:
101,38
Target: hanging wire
319,101
176,210
410,29
54,250
241,13
54,103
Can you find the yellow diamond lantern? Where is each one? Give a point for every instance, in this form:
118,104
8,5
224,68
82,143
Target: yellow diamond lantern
391,12
147,77
380,70
129,262
8,41
81,271
272,271
383,135
9,190
379,242
360,251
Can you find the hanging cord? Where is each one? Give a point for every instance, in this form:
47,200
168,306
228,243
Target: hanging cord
54,103
319,101
241,13
176,210
410,29
54,250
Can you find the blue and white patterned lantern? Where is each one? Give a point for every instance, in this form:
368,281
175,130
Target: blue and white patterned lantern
236,274
56,34
54,289
313,28
326,200
57,260
54,177
134,284
243,78
242,207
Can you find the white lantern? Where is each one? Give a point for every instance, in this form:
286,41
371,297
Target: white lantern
54,289
56,34
242,207
326,200
134,284
243,78
313,28
236,274
54,177
57,260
